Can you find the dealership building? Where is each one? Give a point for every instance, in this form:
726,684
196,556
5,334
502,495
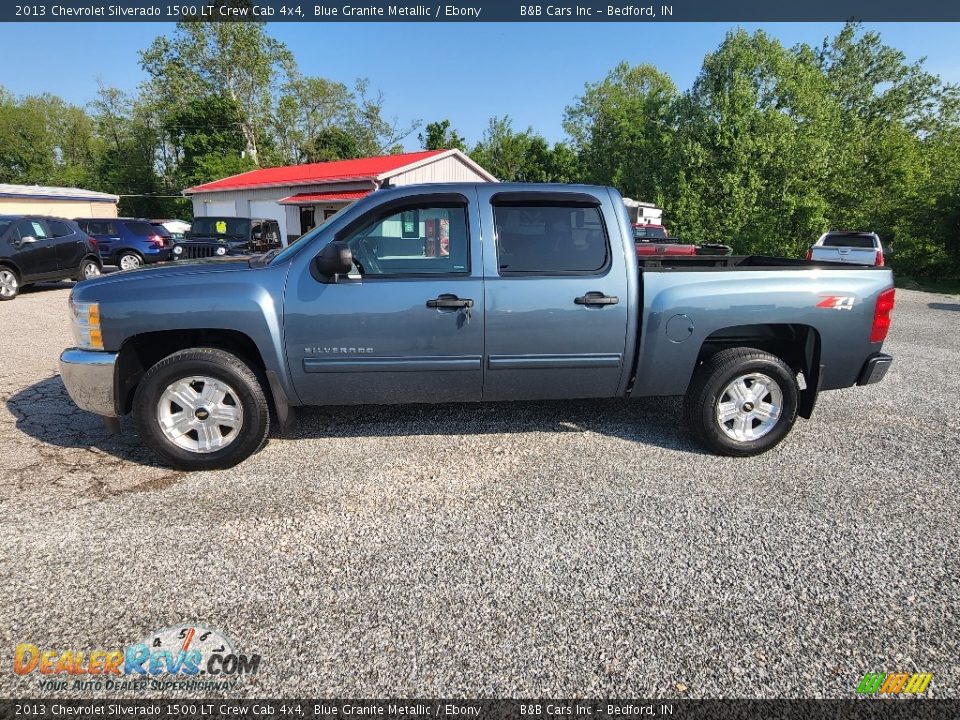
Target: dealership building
300,197
66,202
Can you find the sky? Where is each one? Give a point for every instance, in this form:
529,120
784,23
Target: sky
467,72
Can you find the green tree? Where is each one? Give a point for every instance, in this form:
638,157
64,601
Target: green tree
333,143
524,156
621,128
236,59
207,133
440,136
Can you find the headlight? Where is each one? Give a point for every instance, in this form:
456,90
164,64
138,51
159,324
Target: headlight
178,250
86,325
221,251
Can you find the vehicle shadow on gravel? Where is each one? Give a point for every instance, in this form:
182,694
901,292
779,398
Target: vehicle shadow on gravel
45,412
650,421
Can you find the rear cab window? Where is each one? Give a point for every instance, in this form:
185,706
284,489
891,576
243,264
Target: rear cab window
557,237
852,241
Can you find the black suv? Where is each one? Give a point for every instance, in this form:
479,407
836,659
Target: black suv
212,237
35,248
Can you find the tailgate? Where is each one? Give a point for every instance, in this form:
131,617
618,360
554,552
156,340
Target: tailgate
859,256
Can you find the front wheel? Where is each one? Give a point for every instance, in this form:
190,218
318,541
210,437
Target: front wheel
742,401
9,284
201,409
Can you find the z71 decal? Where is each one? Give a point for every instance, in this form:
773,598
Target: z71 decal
837,302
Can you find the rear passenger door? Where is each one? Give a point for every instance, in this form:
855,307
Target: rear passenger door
556,321
69,245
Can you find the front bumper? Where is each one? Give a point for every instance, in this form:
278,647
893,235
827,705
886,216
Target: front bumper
874,369
89,378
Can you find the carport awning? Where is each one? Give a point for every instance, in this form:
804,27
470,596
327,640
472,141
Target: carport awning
322,197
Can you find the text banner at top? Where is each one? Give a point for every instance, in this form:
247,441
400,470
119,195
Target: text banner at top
484,11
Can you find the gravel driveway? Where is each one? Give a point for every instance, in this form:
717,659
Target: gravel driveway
520,550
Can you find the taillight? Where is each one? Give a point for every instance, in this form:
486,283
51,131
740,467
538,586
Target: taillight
879,260
93,241
809,254
157,240
881,315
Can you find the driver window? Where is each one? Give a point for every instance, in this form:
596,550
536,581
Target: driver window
31,228
413,241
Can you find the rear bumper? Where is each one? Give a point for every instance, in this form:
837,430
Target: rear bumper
874,369
89,378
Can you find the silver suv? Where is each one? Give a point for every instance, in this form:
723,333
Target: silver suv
848,246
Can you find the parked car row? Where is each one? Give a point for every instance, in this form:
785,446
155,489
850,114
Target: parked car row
35,248
651,240
853,247
129,243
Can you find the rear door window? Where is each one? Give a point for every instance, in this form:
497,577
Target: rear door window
550,239
59,228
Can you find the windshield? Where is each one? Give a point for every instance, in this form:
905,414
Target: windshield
236,227
292,249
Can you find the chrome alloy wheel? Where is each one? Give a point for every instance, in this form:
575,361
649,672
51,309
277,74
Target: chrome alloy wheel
90,270
749,407
200,414
8,283
129,262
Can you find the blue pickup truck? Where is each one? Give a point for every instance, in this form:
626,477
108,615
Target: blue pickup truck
464,293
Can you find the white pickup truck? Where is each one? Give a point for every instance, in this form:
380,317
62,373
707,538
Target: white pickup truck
847,246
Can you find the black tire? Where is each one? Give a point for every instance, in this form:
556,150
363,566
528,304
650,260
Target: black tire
82,270
218,365
133,257
707,388
9,283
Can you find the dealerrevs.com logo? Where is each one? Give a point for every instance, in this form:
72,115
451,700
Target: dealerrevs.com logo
894,683
184,657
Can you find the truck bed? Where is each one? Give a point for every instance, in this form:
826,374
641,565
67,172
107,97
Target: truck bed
740,262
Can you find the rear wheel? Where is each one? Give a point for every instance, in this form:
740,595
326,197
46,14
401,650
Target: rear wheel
129,260
201,409
9,284
742,401
88,270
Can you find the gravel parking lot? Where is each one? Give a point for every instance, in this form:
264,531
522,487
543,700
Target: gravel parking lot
521,550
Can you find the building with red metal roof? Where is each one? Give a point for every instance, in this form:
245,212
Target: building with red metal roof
302,196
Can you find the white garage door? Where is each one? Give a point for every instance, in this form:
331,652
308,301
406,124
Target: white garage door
273,210
222,208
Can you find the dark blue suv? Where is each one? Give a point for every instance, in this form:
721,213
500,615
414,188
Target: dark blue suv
128,243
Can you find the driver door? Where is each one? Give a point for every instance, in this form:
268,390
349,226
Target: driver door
34,249
407,324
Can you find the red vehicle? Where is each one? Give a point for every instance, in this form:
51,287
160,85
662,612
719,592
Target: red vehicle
653,240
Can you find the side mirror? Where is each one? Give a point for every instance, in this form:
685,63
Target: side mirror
26,239
335,259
